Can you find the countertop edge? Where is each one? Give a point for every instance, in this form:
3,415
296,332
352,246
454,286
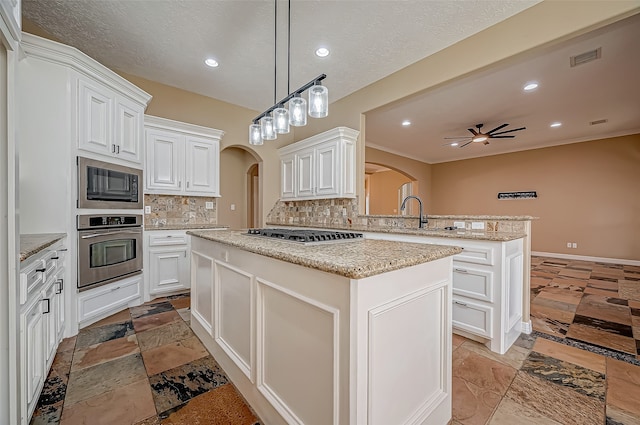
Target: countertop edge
186,227
51,238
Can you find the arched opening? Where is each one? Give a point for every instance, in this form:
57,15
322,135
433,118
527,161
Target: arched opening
240,203
385,188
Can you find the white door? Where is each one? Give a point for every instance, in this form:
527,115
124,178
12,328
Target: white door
129,130
201,166
328,179
164,160
305,172
95,119
168,270
287,173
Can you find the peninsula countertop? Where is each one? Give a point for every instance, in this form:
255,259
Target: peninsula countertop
33,243
151,227
354,259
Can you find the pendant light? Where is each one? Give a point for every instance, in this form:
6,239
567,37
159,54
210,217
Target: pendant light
267,130
298,111
255,136
318,101
281,120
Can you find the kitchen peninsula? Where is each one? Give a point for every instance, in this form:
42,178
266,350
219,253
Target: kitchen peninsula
338,333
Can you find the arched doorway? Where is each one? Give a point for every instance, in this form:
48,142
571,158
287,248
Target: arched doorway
240,202
385,188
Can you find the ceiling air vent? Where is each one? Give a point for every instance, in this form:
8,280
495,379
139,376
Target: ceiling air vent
598,122
585,57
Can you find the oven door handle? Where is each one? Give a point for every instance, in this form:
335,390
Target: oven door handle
117,232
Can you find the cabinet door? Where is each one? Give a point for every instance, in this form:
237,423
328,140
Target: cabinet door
201,166
49,315
33,356
60,316
305,173
129,130
164,159
287,174
95,118
168,270
327,178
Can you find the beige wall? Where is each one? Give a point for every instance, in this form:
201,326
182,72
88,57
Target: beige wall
234,164
383,192
587,193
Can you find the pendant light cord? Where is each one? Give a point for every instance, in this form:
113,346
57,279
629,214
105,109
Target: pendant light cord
275,49
289,48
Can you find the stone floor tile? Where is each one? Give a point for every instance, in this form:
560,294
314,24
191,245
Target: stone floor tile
171,355
121,317
145,323
562,295
483,372
153,420
560,403
176,386
580,274
182,302
573,355
132,403
457,341
618,416
471,404
611,309
185,313
602,338
67,344
47,415
514,357
510,413
629,290
95,380
525,341
149,309
92,336
104,352
222,405
172,332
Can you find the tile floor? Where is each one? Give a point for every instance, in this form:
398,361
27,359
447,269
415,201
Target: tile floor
581,365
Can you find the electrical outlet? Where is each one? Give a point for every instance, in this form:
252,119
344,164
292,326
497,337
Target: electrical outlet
574,245
477,225
208,205
233,207
458,224
568,244
147,209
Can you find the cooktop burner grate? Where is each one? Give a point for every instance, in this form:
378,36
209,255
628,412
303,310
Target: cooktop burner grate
306,236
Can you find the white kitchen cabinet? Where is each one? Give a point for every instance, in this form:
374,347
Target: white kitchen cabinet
487,287
167,262
320,167
181,158
98,303
41,318
11,14
109,124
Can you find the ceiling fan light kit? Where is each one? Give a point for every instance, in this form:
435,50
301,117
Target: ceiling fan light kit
479,137
277,119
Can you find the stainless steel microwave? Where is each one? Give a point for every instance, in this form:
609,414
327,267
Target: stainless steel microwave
103,185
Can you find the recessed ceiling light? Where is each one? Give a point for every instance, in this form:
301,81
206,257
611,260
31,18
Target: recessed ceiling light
530,86
555,124
406,123
211,62
322,52
454,144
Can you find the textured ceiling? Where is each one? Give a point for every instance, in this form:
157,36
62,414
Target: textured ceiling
167,41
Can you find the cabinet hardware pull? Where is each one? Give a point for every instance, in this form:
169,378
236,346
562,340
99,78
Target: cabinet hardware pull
48,306
42,270
461,270
113,148
179,184
60,283
62,249
187,185
55,258
118,149
462,304
115,289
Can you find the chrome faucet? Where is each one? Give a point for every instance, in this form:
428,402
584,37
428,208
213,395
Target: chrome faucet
422,220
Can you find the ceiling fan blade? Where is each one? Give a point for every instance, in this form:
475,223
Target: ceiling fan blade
509,131
475,133
470,141
497,128
502,137
458,138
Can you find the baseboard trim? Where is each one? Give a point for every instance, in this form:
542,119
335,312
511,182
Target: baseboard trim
586,258
527,328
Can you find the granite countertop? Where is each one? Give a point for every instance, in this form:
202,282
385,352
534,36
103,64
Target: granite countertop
186,226
461,217
435,233
355,260
31,244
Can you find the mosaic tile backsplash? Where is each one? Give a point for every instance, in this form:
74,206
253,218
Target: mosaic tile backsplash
170,210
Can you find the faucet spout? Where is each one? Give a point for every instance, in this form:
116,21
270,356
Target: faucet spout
422,220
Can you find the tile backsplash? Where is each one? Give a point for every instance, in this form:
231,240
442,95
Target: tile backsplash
317,212
172,210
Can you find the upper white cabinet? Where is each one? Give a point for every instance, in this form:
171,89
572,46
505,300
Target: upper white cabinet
109,124
11,17
181,158
320,167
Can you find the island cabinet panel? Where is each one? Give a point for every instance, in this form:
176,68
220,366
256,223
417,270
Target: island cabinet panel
305,346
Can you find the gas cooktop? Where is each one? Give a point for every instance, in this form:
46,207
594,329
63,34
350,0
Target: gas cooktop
307,237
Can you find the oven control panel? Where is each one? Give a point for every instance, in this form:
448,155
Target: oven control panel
98,221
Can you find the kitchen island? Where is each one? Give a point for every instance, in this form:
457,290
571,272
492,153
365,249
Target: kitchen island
342,333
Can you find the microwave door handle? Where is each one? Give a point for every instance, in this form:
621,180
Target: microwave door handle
118,232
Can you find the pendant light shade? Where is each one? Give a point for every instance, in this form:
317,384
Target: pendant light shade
281,120
267,131
255,137
298,111
318,101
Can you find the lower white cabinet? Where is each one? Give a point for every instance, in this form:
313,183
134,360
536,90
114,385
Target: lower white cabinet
166,262
41,321
101,302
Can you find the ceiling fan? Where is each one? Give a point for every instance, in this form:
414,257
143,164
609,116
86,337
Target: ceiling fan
479,136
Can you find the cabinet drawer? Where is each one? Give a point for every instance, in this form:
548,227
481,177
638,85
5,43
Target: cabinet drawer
477,255
164,239
98,302
30,279
473,283
472,317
